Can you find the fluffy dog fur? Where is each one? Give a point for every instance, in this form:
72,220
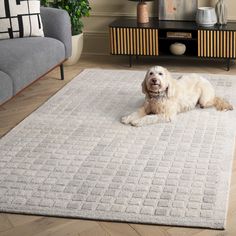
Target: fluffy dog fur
167,97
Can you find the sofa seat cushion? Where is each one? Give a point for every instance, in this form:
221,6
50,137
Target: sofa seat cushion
6,87
26,59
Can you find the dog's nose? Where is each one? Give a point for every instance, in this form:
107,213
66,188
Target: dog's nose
154,80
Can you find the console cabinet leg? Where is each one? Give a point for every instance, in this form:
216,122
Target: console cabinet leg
228,64
130,60
62,71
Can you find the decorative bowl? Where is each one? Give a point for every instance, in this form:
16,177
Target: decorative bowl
206,16
177,48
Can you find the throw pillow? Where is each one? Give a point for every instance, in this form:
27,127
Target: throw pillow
20,18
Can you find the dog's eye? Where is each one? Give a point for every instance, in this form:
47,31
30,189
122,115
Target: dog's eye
151,73
160,73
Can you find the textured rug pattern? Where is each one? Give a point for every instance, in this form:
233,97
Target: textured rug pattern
72,157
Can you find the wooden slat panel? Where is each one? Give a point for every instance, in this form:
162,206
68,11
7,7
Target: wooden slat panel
147,42
128,40
118,40
157,46
221,44
151,42
228,44
218,43
154,42
144,41
124,41
202,43
141,42
211,44
199,43
133,41
208,43
215,44
231,44
234,45
121,41
224,44
114,40
205,43
136,41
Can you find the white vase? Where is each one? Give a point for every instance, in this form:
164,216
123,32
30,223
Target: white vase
206,16
221,12
77,47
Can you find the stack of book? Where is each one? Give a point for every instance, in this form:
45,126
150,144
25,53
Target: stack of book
186,35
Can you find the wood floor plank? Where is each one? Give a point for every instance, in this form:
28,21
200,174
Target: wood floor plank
149,230
96,231
34,227
119,229
71,227
16,219
5,224
15,110
181,231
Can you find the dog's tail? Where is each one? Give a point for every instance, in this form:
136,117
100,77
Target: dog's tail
221,104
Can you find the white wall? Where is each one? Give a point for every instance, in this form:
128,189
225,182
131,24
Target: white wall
105,11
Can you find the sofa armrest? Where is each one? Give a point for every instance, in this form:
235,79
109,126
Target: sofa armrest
56,24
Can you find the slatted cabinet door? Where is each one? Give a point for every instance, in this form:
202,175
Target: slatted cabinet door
216,44
134,41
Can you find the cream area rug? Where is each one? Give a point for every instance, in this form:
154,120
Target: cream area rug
73,158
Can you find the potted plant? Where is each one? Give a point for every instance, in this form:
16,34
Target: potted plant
76,10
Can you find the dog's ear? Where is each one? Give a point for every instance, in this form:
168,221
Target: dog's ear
171,84
144,85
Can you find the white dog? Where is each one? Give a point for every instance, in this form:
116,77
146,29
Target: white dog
168,97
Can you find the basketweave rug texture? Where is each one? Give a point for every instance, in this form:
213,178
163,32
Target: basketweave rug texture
73,158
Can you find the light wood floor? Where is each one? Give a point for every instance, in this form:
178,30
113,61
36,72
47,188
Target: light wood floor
15,110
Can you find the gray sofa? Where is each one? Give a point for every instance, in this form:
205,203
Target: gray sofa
23,60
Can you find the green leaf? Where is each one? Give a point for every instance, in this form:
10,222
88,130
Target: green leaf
76,10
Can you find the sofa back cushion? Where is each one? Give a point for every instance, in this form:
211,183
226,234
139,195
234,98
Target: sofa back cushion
20,18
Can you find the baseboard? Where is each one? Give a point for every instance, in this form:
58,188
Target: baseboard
232,18
95,54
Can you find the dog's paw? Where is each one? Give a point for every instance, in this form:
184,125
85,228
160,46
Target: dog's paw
125,120
136,123
168,118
